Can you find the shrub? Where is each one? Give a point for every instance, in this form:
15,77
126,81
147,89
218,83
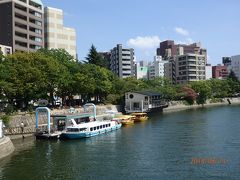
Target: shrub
6,119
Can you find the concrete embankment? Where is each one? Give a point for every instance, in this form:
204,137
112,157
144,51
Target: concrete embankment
6,147
179,105
14,129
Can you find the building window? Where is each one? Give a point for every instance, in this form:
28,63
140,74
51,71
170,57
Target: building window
131,96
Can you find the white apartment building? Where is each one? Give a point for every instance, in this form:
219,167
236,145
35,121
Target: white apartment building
235,65
56,35
190,67
156,68
141,70
208,70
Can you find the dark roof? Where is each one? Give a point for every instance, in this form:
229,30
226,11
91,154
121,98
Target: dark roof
148,93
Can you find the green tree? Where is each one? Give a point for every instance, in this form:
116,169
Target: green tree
94,57
202,89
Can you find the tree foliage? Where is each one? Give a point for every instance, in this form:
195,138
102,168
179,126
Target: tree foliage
28,77
94,57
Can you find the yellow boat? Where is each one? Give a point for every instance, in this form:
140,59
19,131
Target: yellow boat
126,119
140,117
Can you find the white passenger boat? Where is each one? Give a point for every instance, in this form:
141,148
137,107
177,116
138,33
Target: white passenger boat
89,129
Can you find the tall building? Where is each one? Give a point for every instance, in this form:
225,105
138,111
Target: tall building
235,65
219,72
56,35
190,67
156,68
141,70
170,70
226,61
21,24
169,48
5,50
122,61
208,70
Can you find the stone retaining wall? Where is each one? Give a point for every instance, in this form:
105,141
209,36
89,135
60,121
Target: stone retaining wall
179,105
6,147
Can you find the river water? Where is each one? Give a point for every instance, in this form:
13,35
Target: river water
193,144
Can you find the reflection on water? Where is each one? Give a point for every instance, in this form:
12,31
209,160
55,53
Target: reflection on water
162,148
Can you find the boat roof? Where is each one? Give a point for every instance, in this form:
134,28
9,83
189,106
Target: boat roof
124,116
90,124
71,116
139,113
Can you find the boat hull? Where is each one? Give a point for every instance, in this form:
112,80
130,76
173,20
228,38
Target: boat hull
79,135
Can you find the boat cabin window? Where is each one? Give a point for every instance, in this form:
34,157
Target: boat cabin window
72,130
95,128
104,126
83,129
101,127
91,129
109,125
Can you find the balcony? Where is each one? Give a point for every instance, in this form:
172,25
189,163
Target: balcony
21,39
21,17
20,12
21,30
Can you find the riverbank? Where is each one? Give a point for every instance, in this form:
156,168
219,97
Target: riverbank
6,147
179,105
15,131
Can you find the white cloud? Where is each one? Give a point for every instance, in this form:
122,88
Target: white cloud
146,42
181,31
186,41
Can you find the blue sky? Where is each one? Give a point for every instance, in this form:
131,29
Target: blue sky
142,24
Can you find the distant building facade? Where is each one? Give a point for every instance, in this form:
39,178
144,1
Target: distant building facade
235,65
142,70
226,61
169,48
170,70
156,68
56,35
219,72
185,62
122,61
190,67
22,24
208,70
5,49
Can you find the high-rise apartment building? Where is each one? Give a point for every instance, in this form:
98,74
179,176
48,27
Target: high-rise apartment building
235,65
21,24
156,68
56,35
122,61
170,70
208,71
190,67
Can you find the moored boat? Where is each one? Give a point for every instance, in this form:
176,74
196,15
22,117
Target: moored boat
141,116
126,119
89,129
